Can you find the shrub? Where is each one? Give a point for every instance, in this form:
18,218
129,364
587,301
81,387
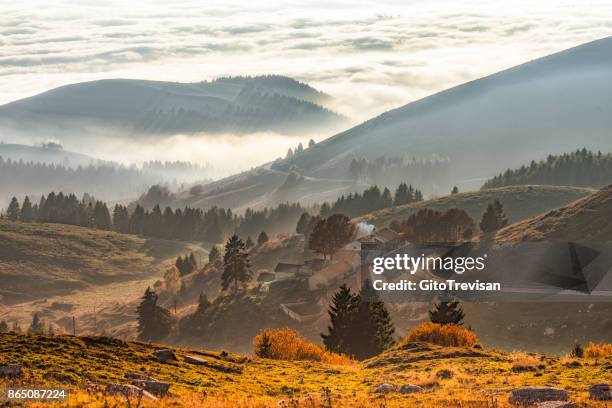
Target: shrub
594,350
524,362
442,334
577,351
287,344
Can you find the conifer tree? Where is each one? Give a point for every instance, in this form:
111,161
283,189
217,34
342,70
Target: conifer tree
3,326
154,322
493,218
342,313
455,190
13,212
302,225
311,143
262,238
236,263
374,327
214,255
26,210
249,243
37,326
447,311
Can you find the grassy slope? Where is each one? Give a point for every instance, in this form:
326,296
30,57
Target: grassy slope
519,202
479,377
41,260
585,219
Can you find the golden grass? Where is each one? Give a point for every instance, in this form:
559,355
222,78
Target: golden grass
447,335
287,344
524,362
595,350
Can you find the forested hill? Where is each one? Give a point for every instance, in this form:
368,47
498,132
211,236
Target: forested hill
148,108
582,168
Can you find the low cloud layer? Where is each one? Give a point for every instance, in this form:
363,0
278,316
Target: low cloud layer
371,55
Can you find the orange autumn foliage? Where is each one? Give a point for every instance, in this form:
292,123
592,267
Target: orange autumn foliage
287,344
448,335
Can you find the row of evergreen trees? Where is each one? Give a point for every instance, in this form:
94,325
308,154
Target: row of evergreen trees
372,199
185,224
579,168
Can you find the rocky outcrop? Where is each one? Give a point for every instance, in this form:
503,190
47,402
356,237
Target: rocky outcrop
600,392
410,389
532,395
165,355
385,388
129,390
10,370
556,404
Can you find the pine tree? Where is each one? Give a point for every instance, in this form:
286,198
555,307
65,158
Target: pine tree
236,263
342,313
262,238
493,218
302,225
455,190
249,243
26,211
447,311
13,211
214,255
16,327
37,326
374,327
154,322
311,143
50,330
3,326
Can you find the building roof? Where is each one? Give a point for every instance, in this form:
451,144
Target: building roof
288,267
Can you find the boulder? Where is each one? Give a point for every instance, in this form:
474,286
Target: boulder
165,355
600,392
385,388
557,404
409,389
532,395
156,387
128,390
10,370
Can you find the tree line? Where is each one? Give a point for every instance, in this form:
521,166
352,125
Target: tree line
210,225
372,199
580,168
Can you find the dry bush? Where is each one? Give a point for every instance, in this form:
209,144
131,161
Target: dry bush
287,344
442,334
524,362
595,350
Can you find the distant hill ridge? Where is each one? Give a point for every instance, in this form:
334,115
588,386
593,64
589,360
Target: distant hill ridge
240,105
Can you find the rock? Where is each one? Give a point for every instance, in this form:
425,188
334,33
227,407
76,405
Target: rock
138,376
444,374
385,388
557,404
10,370
128,390
532,395
218,367
165,355
409,389
156,387
600,392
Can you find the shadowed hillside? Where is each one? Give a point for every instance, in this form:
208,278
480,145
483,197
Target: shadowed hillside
588,219
41,260
519,202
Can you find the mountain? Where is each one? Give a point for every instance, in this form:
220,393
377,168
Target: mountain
140,108
550,105
587,219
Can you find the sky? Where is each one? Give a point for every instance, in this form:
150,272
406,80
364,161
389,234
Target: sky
370,55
